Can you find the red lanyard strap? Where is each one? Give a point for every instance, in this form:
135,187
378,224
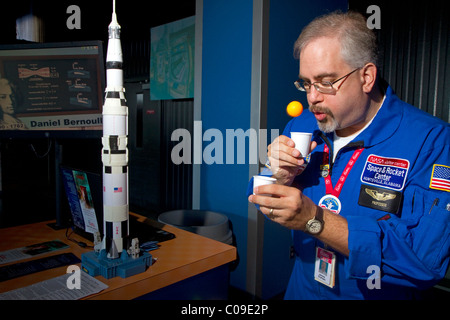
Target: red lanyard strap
336,191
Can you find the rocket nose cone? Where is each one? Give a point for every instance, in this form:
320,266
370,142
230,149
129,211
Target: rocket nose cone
114,22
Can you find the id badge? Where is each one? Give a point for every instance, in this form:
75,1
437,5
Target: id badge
324,270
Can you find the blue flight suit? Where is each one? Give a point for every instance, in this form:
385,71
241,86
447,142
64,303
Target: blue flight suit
406,157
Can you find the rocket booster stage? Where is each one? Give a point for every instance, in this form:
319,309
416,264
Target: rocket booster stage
115,152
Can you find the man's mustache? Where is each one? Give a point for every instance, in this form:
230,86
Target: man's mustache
320,109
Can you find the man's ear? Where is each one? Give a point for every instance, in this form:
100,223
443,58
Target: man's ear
369,75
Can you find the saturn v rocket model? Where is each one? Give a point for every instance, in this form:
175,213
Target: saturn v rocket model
115,152
114,258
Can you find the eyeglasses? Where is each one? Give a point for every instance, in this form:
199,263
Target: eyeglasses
325,87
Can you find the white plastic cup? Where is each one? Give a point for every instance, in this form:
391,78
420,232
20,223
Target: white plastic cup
302,142
261,181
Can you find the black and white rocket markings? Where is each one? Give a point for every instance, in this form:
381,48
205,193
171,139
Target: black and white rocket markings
115,152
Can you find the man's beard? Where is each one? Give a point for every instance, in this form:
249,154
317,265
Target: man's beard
327,125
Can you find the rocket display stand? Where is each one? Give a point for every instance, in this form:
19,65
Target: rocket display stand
99,264
113,259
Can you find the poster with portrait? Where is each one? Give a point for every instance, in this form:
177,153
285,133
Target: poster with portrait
51,87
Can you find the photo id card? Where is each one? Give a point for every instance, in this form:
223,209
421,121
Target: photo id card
324,267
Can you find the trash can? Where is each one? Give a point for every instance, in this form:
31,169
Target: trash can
209,224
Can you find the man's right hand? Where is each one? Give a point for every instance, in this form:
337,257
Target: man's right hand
286,162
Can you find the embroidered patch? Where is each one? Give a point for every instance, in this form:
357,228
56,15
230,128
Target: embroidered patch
385,172
440,178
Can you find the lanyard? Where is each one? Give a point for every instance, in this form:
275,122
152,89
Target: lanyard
336,191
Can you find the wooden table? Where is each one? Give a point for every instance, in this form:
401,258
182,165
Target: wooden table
183,257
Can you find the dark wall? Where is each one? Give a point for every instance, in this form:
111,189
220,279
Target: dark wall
415,51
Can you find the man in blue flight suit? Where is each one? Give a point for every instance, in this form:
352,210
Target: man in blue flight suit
369,208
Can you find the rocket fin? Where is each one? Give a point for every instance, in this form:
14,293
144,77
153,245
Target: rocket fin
113,253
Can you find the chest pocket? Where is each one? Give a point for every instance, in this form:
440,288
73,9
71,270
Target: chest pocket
428,227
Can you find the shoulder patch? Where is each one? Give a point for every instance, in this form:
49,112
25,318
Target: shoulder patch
440,177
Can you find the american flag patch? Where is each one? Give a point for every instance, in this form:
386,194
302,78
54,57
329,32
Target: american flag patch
440,178
117,189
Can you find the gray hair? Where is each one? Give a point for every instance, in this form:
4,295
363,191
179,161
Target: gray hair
358,42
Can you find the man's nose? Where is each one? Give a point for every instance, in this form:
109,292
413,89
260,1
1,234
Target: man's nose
314,96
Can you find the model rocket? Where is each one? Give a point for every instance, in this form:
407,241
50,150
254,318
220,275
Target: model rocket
114,151
116,257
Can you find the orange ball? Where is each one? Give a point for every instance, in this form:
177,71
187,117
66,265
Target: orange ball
294,109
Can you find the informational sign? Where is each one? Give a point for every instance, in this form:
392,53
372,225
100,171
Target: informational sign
51,88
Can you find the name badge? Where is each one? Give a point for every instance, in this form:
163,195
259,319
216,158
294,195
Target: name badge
324,270
379,198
